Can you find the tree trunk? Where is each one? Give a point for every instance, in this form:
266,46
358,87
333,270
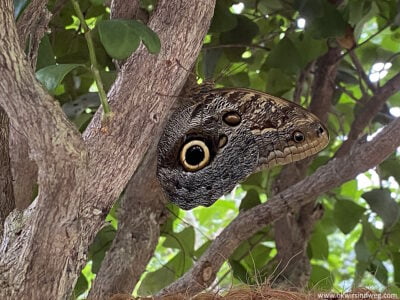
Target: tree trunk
45,247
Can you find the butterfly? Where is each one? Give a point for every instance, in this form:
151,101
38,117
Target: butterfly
226,134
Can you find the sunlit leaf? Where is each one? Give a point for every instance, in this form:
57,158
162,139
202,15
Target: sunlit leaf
321,278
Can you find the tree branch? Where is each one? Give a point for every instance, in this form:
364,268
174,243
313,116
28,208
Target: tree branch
7,203
368,112
32,26
137,234
24,170
140,216
361,71
121,9
362,157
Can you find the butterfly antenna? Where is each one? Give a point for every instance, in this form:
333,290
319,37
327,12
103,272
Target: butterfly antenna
227,71
191,72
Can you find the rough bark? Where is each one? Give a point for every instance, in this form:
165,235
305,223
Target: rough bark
293,231
121,9
32,25
7,203
79,179
59,152
24,170
139,216
363,156
137,234
141,213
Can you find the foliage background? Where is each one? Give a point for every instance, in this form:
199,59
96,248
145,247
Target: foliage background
271,46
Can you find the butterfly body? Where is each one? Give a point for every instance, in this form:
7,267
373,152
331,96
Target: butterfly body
228,134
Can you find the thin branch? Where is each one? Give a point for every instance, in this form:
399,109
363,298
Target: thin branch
207,47
93,60
368,112
361,72
345,91
362,157
298,90
366,41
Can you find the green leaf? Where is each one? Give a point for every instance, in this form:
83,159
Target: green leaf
223,19
250,200
149,37
52,76
390,167
210,61
378,269
396,265
362,252
284,57
118,38
255,180
45,54
82,121
108,78
380,202
122,37
257,257
239,271
242,34
347,214
394,237
324,20
321,278
155,281
81,285
216,216
308,48
183,240
361,267
319,245
239,79
100,245
350,188
277,82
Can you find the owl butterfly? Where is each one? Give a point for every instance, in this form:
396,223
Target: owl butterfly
225,136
